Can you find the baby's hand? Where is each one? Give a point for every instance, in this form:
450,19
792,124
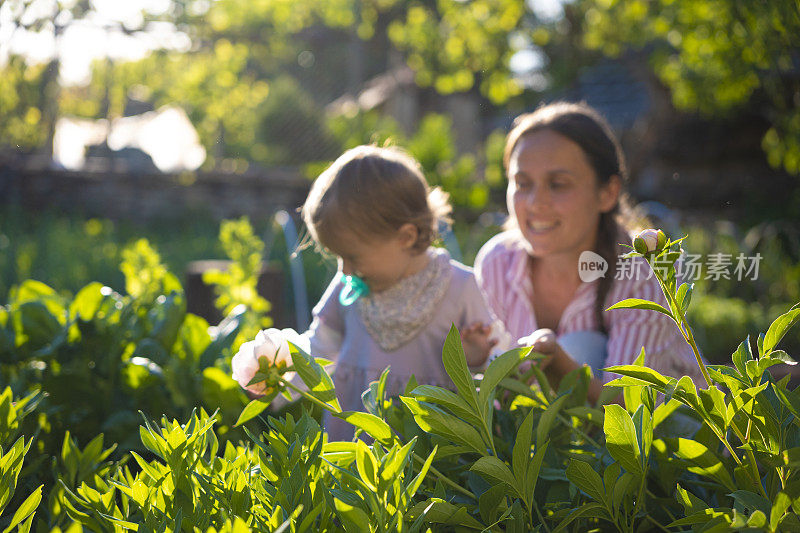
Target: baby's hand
476,342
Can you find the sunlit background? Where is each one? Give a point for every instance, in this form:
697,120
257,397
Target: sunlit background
162,117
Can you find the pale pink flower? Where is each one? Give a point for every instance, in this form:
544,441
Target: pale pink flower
245,363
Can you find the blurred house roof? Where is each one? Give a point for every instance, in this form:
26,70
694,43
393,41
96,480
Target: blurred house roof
376,92
613,90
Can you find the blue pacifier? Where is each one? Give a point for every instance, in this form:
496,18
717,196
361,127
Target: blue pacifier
354,288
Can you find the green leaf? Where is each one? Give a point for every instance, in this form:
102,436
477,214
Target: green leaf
367,465
586,479
499,370
691,503
790,399
684,390
438,511
714,403
637,303
741,401
704,461
132,526
496,471
646,375
663,411
455,364
532,475
319,383
251,410
584,412
354,519
684,296
643,423
779,507
433,420
610,477
25,527
751,501
633,395
521,453
86,303
411,385
621,440
27,508
778,329
448,399
516,386
757,520
417,481
396,460
489,502
547,420
705,516
371,424
771,360
587,510
626,483
741,356
380,393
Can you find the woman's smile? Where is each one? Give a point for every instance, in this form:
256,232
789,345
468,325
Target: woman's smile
541,228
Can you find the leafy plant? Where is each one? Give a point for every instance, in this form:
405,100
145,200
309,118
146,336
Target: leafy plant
490,453
96,359
11,462
741,402
237,286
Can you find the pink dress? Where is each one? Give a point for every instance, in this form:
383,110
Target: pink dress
340,333
501,269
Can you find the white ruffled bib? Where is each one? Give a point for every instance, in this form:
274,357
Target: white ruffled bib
395,316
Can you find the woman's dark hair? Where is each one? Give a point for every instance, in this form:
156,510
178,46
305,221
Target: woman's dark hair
585,127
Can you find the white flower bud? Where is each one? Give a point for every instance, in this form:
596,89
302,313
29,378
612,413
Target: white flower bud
649,240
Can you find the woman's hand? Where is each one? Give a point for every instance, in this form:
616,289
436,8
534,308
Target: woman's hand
544,342
557,363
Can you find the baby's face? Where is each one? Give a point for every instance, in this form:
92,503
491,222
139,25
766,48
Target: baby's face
380,262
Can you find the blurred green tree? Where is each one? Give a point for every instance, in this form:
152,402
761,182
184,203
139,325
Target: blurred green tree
34,125
716,56
212,85
20,105
243,50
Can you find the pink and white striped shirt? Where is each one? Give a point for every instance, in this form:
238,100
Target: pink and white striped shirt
501,269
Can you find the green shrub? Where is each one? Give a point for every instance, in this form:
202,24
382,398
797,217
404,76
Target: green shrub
100,358
492,453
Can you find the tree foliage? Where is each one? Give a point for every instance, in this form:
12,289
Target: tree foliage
716,56
20,113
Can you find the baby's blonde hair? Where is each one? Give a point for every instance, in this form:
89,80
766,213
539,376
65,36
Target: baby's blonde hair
371,192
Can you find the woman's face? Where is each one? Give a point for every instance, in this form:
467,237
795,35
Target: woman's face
554,196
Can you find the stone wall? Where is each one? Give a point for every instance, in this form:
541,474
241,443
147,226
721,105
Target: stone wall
126,195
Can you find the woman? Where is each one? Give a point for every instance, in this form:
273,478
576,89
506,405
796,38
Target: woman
565,174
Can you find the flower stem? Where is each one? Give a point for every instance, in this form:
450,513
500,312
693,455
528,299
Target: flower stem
444,479
683,325
690,339
306,395
751,457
